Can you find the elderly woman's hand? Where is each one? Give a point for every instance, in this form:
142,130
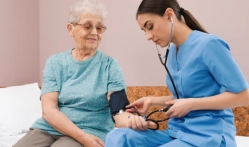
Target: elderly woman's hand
89,140
138,123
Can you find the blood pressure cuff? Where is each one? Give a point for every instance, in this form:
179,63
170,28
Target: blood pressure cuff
118,101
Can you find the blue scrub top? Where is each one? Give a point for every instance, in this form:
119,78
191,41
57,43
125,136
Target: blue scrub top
203,67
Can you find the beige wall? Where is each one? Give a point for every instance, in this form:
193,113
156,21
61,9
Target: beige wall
123,39
19,42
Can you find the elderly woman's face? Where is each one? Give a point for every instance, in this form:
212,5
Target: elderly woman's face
87,33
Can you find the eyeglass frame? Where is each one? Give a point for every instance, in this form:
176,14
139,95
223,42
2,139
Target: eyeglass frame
90,30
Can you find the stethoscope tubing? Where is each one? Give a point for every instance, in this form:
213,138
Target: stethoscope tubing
152,120
166,58
172,81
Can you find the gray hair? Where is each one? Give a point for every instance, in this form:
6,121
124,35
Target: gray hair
80,7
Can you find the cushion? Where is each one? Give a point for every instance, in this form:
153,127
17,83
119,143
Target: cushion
20,106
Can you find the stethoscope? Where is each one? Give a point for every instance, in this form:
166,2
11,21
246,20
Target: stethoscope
171,79
166,57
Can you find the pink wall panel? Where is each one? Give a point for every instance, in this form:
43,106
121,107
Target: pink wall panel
19,51
31,31
54,37
127,43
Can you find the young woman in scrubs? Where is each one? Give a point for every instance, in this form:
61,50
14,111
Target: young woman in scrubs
207,79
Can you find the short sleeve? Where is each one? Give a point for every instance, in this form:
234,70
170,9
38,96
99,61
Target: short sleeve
220,63
49,80
115,77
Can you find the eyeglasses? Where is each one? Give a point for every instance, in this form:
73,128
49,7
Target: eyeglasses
88,27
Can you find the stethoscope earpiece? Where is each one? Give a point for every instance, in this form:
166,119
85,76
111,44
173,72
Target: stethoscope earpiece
171,20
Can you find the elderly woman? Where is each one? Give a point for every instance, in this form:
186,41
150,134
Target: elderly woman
75,87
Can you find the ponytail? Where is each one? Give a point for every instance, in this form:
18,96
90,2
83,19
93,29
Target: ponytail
190,21
158,7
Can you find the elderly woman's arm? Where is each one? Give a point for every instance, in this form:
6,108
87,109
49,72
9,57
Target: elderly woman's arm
123,120
59,121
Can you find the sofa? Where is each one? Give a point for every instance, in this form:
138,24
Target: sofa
20,106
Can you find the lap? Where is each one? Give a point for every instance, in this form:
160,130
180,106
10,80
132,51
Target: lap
66,141
126,137
39,138
176,143
129,138
35,137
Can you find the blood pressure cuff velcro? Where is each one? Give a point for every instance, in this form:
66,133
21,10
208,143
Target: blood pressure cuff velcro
118,101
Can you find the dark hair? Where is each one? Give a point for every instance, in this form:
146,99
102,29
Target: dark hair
158,7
